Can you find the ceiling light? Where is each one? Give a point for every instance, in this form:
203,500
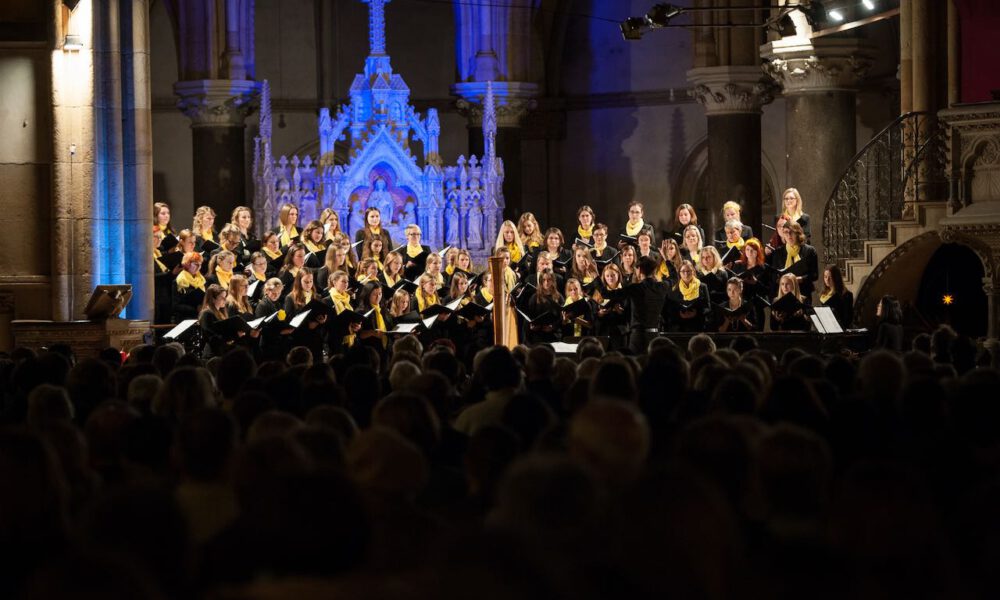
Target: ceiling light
869,4
836,15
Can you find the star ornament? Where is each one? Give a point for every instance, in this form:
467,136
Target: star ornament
948,300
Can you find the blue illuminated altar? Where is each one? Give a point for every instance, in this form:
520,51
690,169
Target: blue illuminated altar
460,205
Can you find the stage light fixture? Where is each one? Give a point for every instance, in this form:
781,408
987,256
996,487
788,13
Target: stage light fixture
836,15
869,4
633,28
660,15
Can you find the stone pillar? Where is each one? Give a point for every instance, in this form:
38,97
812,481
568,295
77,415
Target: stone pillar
218,109
733,98
819,80
513,101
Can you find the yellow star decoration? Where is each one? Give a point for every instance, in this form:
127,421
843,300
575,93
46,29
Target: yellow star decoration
948,300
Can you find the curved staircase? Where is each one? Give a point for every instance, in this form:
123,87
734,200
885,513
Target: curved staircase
891,193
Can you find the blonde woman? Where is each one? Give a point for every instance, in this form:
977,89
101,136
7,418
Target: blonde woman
508,238
427,292
530,232
242,220
584,267
415,254
732,211
221,269
433,267
693,243
577,325
203,226
335,260
367,271
393,271
713,274
450,260
671,264
789,321
463,261
330,221
288,220
238,303
213,311
791,211
400,304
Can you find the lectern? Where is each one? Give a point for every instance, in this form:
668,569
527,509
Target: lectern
102,329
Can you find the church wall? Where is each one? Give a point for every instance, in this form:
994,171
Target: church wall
25,185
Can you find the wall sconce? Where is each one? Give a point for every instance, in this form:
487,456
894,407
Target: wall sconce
72,43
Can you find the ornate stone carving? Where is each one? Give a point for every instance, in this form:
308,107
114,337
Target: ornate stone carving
803,66
729,90
513,101
216,103
973,153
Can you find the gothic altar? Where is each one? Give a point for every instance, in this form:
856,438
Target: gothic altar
460,205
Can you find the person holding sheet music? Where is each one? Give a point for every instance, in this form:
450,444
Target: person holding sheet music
288,220
752,270
635,224
690,301
238,302
414,253
213,313
189,288
646,300
554,246
585,225
463,262
275,338
376,250
731,212
837,297
165,271
627,264
612,320
310,332
373,229
433,268
788,308
732,236
401,305
392,273
271,247
603,253
203,226
798,258
530,233
544,310
344,243
713,274
374,331
484,291
314,242
257,273
161,218
737,315
295,263
578,311
230,241
684,216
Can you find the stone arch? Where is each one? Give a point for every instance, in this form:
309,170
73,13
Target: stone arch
690,183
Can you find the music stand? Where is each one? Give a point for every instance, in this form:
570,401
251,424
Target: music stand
108,301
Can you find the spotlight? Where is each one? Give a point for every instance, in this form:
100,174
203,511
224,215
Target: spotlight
72,43
869,4
815,13
836,15
661,14
633,28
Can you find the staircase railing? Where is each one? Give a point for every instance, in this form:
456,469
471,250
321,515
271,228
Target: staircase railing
882,184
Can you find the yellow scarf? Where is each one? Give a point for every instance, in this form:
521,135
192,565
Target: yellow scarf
534,244
389,279
438,280
223,277
585,234
380,324
689,290
187,280
825,297
633,230
377,231
509,279
341,300
413,251
313,247
793,255
515,252
577,329
286,236
487,294
587,279
422,304
257,276
665,268
739,243
156,258
450,270
208,235
271,255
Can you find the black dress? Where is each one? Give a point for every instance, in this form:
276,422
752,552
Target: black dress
842,306
538,306
273,345
700,306
889,336
613,323
716,283
310,337
809,273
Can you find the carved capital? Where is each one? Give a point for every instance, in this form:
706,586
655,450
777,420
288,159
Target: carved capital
731,90
216,102
513,101
803,66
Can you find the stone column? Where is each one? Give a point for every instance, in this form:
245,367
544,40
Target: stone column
513,101
819,79
218,109
733,97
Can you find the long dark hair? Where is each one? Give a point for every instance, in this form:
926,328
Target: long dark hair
364,296
892,312
837,277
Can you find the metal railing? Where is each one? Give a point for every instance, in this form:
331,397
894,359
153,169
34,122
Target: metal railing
893,172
